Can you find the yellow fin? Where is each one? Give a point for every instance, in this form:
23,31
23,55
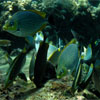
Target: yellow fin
42,14
73,41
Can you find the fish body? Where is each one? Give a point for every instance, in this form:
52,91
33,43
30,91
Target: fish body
16,66
25,23
40,64
67,60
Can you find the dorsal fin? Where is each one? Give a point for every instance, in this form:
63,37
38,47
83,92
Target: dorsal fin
42,14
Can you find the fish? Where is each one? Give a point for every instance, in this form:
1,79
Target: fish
40,64
41,70
87,54
51,50
31,67
77,75
16,66
5,42
26,23
53,56
68,60
85,81
96,75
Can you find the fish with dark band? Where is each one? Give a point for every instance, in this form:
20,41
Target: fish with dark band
16,66
40,64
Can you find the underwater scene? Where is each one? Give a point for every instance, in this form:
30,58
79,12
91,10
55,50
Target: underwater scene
49,49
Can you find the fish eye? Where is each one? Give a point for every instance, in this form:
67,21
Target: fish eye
11,23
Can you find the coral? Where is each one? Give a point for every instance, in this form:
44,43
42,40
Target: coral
70,5
83,3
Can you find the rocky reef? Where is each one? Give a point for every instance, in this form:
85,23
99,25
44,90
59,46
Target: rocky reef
68,19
